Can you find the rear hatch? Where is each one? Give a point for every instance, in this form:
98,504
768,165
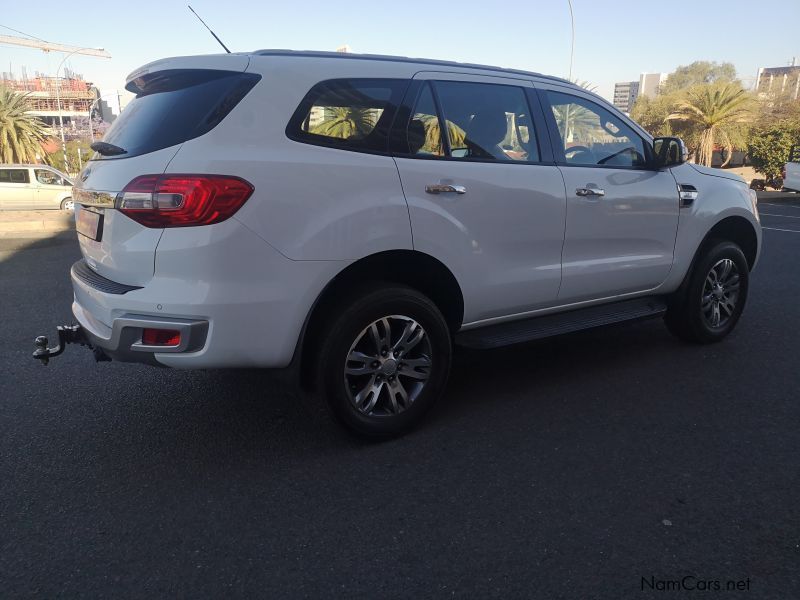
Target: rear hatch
176,100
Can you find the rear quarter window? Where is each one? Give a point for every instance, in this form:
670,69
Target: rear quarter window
174,106
351,114
14,176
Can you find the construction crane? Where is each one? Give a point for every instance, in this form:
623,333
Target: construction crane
51,47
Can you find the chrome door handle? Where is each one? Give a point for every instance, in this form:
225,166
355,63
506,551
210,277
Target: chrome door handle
590,192
439,188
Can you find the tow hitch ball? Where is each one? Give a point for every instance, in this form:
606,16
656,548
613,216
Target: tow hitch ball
67,334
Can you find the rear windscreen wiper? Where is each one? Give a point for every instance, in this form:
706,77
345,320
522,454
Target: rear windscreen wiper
107,149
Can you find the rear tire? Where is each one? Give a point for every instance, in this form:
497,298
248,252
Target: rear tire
713,297
384,359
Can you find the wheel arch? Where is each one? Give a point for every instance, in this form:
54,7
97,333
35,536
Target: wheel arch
735,229
415,269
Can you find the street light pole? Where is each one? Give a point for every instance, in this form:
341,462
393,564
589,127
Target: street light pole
58,100
572,43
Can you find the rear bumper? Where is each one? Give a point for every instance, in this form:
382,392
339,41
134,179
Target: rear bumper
123,340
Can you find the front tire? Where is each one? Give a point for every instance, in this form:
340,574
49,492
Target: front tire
67,204
384,360
713,298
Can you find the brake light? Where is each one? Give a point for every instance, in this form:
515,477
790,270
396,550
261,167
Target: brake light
161,337
182,200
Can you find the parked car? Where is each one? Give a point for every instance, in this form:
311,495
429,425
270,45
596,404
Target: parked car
34,187
791,171
351,217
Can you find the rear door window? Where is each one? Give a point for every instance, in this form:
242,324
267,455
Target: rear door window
174,106
482,121
352,114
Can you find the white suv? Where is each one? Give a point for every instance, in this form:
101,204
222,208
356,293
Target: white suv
354,216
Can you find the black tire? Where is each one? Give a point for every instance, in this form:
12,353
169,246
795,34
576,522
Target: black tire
346,324
686,317
65,203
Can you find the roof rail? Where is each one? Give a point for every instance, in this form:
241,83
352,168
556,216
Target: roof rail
421,61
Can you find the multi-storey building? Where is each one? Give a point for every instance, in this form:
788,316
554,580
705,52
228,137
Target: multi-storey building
76,98
783,80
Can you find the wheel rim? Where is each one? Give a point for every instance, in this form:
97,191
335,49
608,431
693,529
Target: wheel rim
720,293
69,205
387,366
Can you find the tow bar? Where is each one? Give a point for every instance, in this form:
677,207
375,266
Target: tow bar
67,334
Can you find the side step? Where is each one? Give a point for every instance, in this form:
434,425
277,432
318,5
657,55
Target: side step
525,330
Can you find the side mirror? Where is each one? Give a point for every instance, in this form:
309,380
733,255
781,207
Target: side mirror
669,151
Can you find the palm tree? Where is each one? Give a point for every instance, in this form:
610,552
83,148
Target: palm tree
21,134
715,114
346,122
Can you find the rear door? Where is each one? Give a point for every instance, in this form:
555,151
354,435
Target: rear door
622,214
176,100
16,192
484,198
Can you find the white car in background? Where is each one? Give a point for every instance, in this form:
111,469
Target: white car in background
355,216
791,171
34,187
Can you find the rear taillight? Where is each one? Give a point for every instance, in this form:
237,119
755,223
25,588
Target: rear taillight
182,200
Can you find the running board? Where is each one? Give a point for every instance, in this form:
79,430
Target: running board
515,332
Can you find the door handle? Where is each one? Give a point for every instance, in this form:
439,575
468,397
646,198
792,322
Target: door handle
440,188
587,191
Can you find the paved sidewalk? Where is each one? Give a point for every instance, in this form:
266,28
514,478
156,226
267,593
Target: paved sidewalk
16,222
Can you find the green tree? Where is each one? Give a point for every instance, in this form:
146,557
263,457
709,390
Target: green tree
21,134
699,72
56,158
652,114
715,114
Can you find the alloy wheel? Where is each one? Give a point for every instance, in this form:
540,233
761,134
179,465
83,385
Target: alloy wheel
720,293
388,366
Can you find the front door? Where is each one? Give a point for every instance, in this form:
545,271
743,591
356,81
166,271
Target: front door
481,197
49,188
622,214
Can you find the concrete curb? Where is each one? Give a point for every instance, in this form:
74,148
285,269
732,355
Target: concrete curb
30,221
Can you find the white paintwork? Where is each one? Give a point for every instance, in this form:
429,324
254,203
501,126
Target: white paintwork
126,250
792,179
316,210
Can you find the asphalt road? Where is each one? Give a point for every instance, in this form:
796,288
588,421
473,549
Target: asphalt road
568,468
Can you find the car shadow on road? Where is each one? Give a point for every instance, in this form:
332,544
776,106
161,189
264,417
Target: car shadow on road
249,415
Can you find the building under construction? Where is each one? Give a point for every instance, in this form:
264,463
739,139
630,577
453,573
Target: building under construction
77,97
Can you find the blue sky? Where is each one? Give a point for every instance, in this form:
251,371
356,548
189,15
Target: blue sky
614,41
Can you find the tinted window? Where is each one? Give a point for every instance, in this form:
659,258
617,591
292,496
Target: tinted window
487,121
174,106
354,114
423,132
14,176
592,135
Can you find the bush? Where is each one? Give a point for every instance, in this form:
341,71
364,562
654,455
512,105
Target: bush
769,149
